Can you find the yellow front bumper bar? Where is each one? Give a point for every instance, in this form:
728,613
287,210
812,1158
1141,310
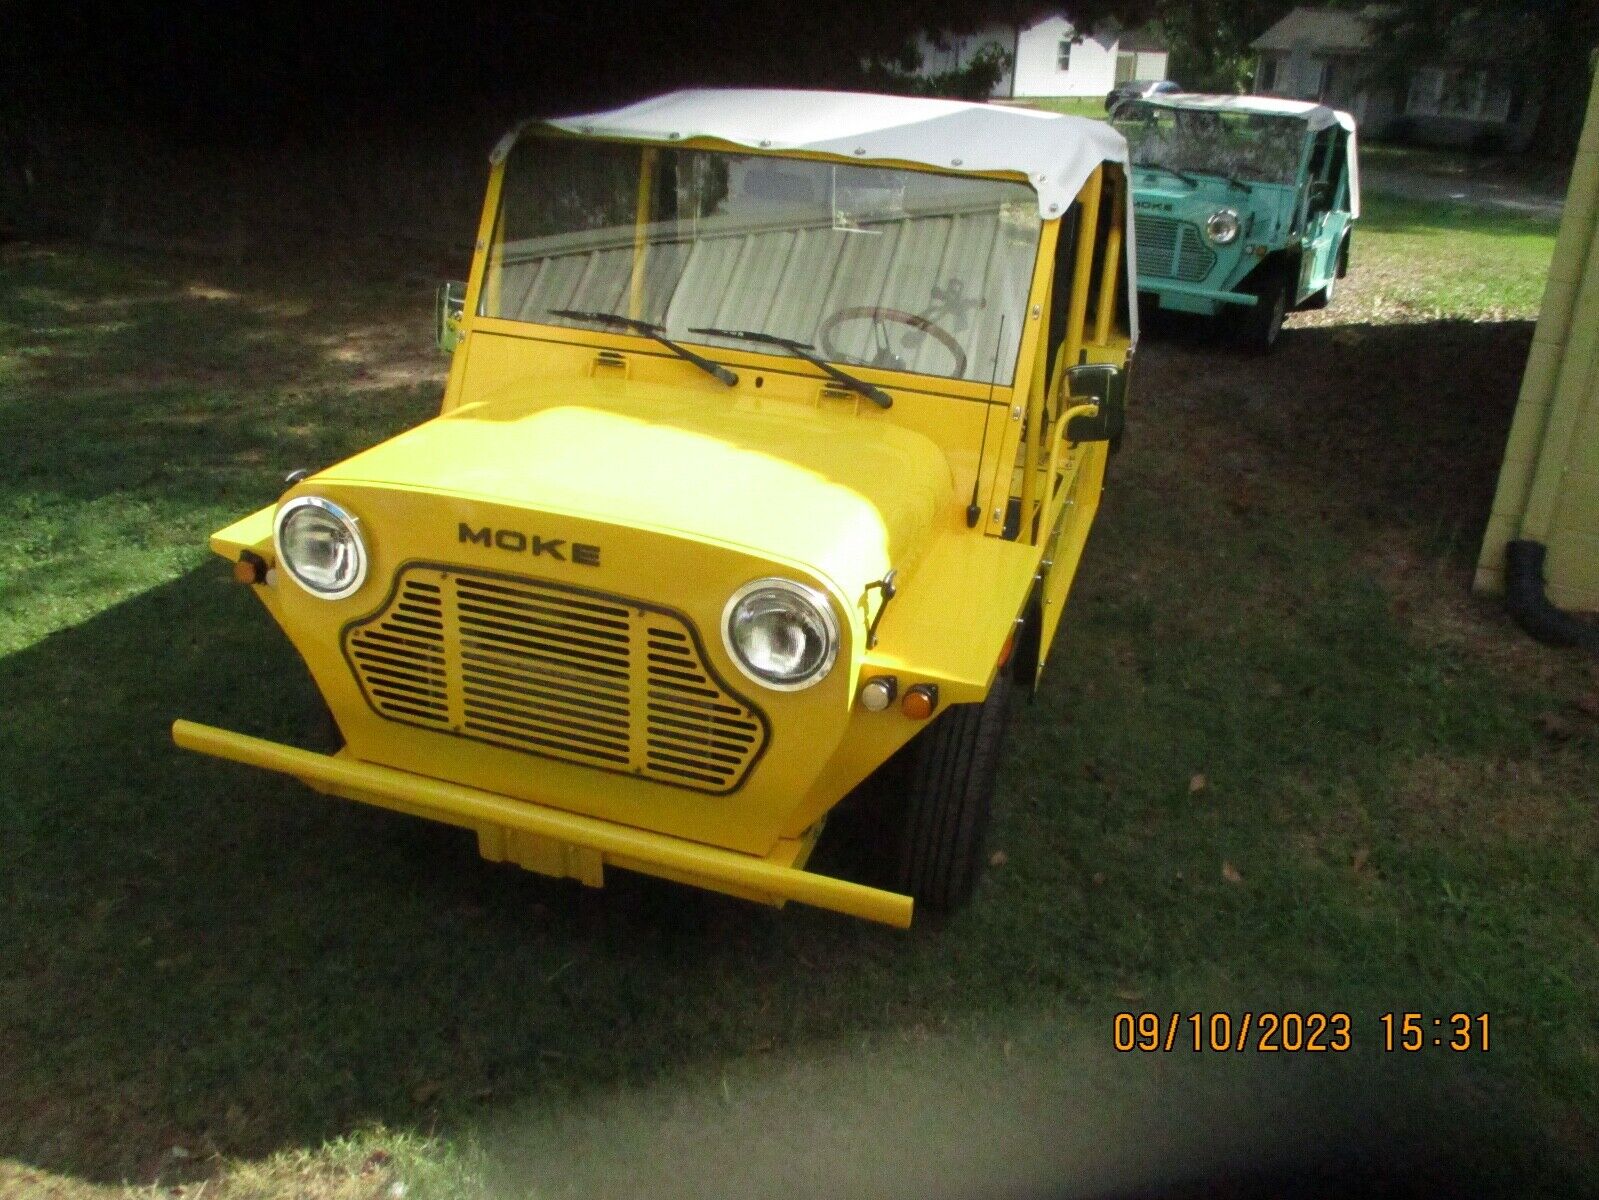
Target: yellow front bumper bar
639,849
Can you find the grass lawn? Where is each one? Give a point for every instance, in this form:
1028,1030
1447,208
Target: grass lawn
1073,106
1281,761
1418,261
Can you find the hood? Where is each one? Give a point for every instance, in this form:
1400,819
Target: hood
847,496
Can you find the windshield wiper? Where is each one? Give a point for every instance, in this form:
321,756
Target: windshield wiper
1231,179
654,332
1183,175
804,350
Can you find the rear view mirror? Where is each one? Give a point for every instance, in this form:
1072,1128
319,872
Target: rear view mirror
448,305
1102,384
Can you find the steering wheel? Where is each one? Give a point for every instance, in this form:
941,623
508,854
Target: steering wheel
885,356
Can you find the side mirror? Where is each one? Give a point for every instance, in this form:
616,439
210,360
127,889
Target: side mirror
448,305
1105,385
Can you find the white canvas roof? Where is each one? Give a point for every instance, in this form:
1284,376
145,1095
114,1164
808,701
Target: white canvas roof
1056,153
1316,117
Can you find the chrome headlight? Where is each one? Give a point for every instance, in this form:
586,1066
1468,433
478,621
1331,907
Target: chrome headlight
1221,226
781,634
320,546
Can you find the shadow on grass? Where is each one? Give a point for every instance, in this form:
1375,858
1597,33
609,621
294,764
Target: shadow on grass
216,958
1398,427
75,321
203,955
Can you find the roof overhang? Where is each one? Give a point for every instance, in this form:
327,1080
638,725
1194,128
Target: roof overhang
1054,153
1316,116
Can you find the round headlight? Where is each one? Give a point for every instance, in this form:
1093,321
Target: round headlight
1221,226
319,544
780,633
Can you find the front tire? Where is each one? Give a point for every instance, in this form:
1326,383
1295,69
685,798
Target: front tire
1260,326
949,799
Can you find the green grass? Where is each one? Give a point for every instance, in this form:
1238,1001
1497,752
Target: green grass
1092,107
1432,259
213,974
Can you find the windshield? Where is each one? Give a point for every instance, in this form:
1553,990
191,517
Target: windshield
906,270
1252,147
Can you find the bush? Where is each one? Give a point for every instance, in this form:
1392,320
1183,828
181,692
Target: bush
974,81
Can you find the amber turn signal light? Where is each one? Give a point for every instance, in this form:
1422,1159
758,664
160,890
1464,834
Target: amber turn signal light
1006,650
251,568
920,701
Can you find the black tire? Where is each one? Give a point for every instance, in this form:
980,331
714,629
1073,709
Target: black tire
949,784
1260,325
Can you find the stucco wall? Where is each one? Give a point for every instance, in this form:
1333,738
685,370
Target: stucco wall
1093,62
1549,483
1036,70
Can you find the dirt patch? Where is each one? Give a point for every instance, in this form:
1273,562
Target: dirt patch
1523,800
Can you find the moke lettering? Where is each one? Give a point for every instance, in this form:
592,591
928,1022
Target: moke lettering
517,542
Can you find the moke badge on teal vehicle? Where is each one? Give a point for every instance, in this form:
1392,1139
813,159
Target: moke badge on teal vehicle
1244,205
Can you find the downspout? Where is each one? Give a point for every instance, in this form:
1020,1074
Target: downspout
1529,607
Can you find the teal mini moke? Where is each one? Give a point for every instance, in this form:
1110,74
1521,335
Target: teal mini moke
1244,205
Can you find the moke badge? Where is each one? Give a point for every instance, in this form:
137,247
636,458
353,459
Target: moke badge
518,542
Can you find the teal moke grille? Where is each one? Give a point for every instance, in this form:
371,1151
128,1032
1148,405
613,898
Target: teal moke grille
1172,249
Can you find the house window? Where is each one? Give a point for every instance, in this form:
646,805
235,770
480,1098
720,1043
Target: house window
1063,56
1268,74
1426,92
1435,92
1126,67
1496,104
1313,79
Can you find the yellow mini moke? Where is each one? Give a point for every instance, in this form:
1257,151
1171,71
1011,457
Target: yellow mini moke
775,425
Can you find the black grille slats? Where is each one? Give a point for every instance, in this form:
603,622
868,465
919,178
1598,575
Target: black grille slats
692,731
534,666
540,671
400,657
1172,249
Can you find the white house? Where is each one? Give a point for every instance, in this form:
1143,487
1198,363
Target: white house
1051,57
1328,55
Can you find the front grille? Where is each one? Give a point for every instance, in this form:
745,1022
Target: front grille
1172,249
585,677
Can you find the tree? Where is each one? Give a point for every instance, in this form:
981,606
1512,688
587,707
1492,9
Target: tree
1543,49
1210,39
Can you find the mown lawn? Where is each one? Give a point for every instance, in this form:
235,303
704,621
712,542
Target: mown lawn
1073,106
1442,261
1281,761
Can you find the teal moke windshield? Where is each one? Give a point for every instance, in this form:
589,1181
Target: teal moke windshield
1247,147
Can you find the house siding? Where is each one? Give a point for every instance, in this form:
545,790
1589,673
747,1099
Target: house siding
1035,69
1323,55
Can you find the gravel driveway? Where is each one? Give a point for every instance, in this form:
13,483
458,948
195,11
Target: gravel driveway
1508,194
